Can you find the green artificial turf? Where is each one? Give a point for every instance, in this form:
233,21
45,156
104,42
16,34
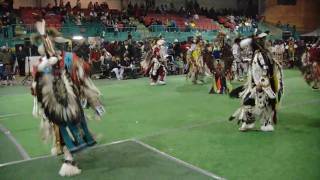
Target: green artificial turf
8,150
183,120
126,160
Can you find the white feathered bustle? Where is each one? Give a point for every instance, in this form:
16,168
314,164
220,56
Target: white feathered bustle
41,27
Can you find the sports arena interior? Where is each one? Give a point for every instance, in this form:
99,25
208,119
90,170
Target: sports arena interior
160,89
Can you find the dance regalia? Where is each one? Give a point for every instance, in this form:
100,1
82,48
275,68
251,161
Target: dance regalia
311,67
196,64
216,52
237,63
60,83
154,64
291,47
227,58
221,84
261,93
246,58
278,53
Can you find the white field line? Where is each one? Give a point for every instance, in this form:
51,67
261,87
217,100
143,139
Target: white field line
183,163
20,149
46,156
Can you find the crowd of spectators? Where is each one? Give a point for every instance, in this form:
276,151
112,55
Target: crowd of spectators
112,20
191,12
7,19
289,52
117,21
7,61
287,27
121,60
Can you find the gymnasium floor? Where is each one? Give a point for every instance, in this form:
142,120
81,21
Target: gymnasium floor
179,119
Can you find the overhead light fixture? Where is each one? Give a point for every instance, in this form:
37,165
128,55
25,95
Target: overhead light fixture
77,38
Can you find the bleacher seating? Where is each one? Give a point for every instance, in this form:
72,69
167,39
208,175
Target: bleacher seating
202,23
27,17
226,22
206,26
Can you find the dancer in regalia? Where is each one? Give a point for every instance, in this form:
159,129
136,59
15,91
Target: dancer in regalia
263,89
291,48
60,84
195,61
154,63
237,63
221,83
311,65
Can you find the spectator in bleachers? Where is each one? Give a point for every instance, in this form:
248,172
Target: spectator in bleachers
128,67
176,48
103,17
49,7
12,22
196,17
78,5
78,19
116,29
104,6
61,5
5,56
93,16
172,26
117,68
68,6
106,60
182,11
96,7
187,26
126,50
1,25
90,6
137,52
192,25
5,24
130,9
129,37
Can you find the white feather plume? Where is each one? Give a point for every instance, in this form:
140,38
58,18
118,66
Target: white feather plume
50,102
35,105
53,60
41,50
60,39
246,42
44,63
69,170
46,130
41,27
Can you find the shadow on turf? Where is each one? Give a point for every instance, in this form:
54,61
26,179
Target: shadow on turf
297,123
124,160
189,88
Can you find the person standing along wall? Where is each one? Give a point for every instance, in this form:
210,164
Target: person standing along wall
12,22
21,57
5,25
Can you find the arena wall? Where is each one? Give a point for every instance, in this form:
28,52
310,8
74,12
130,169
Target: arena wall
232,4
113,4
116,4
305,14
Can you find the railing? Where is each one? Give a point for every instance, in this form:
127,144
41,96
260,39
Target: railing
109,33
246,30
